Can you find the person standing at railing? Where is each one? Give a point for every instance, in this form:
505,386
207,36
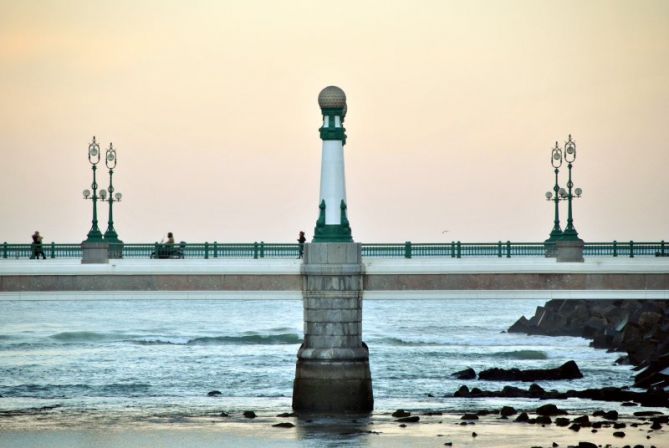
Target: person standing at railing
37,246
301,240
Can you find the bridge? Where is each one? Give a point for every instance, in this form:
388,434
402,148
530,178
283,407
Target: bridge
623,270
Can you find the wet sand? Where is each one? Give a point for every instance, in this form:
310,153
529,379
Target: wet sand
376,431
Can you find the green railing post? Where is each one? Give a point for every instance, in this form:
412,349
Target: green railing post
508,249
662,248
615,248
452,249
206,250
631,249
262,249
4,250
53,249
215,249
459,249
407,249
499,249
255,249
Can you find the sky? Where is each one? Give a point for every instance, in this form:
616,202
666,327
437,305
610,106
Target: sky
453,108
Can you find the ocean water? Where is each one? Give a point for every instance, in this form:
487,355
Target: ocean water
79,363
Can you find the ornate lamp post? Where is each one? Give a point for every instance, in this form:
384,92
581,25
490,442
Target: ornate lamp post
556,233
110,160
570,233
94,235
110,235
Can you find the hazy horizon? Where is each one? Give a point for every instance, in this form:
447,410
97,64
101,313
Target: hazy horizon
453,107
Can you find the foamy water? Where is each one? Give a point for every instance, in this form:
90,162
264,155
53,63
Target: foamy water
78,363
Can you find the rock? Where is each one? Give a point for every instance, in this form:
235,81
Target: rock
214,393
522,325
283,425
467,374
224,414
655,426
575,427
586,445
619,425
413,419
549,409
507,411
474,434
522,418
619,434
583,421
611,415
543,420
567,371
536,391
286,414
462,392
401,413
561,421
469,417
249,414
403,425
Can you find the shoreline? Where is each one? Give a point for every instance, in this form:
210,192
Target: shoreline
380,430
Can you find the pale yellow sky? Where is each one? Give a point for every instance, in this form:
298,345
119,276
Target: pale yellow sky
453,109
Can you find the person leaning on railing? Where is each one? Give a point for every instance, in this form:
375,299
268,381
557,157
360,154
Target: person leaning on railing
36,246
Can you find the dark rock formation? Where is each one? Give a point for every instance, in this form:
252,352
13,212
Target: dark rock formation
283,425
507,411
249,414
549,409
467,374
651,398
638,327
566,371
214,393
401,413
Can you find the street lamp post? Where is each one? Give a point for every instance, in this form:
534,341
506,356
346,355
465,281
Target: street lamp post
556,233
110,235
570,233
94,235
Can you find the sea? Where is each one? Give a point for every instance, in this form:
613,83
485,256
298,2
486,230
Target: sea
77,364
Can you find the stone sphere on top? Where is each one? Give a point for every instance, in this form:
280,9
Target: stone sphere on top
332,97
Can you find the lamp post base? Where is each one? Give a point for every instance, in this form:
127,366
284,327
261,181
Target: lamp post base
569,251
94,253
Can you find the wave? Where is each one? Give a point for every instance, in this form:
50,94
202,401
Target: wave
83,336
57,391
520,354
249,339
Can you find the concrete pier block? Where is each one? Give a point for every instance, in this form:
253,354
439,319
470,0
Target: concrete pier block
94,253
569,251
332,373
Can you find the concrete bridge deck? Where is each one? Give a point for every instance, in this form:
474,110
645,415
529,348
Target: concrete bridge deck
425,277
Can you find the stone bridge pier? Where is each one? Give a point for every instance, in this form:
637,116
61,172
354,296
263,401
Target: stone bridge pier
332,373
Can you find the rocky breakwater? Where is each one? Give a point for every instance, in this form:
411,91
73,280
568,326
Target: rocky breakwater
640,328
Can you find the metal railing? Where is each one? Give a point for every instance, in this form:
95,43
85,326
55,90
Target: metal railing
455,249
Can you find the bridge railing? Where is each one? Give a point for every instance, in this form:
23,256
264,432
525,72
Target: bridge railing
454,249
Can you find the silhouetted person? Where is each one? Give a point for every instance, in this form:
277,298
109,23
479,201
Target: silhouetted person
37,246
302,239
